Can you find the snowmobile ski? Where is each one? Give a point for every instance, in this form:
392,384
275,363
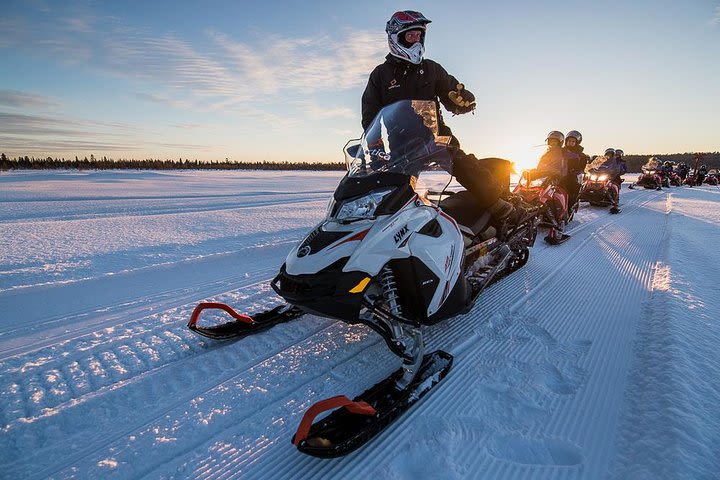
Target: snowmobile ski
355,422
242,325
615,209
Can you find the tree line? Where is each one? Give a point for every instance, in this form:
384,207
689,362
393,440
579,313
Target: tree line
104,163
710,159
634,163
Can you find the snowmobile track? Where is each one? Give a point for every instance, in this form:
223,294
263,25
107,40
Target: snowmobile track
485,342
462,335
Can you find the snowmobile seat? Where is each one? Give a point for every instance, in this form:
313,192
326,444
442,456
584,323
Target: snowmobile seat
473,220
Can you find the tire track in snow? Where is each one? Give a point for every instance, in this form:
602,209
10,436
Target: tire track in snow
386,357
117,315
289,464
202,366
154,211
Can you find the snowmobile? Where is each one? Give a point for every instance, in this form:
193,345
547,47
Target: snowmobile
542,189
599,187
652,175
691,179
673,178
696,178
713,177
393,259
682,171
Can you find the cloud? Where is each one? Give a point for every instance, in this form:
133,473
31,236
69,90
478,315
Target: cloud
13,145
18,99
185,146
159,99
318,112
42,134
305,65
210,72
206,75
20,124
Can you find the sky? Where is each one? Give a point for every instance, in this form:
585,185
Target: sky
281,80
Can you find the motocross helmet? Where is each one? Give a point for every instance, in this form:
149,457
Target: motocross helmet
576,135
619,153
556,135
399,23
609,152
703,167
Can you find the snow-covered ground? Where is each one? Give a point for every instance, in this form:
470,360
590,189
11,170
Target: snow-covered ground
599,359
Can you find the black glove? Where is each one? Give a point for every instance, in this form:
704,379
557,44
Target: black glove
463,99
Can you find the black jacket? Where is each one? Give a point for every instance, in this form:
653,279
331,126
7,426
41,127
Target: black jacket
397,80
578,165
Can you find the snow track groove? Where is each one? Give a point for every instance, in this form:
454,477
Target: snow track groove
441,335
532,365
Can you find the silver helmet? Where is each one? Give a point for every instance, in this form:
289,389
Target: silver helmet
556,135
576,135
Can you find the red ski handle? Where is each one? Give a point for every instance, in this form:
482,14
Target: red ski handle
360,408
221,306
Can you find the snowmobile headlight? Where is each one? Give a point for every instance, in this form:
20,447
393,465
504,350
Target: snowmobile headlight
593,177
538,182
602,178
363,207
651,172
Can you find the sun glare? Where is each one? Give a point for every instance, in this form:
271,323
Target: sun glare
524,158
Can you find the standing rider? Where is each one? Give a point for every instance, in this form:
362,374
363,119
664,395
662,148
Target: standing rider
701,174
622,167
577,160
682,170
406,75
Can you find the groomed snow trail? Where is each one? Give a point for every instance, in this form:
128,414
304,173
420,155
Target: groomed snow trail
596,360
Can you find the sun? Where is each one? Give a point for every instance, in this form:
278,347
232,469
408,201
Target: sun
525,158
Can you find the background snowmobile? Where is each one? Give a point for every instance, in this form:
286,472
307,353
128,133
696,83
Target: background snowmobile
651,175
673,178
393,260
691,178
713,177
681,170
598,187
542,189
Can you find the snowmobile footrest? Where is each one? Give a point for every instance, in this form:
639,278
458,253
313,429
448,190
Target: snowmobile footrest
356,422
242,324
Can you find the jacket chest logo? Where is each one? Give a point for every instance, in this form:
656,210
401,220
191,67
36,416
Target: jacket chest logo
393,84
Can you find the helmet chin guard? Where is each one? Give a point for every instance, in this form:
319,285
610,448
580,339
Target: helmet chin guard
413,54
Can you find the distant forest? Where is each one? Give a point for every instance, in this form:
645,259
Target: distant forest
104,163
634,162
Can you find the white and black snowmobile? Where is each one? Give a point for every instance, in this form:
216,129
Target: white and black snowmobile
394,260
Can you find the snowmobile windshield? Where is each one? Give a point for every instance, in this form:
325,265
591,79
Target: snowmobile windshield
403,138
603,163
652,165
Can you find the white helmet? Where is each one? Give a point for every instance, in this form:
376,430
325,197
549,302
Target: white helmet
399,23
556,135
